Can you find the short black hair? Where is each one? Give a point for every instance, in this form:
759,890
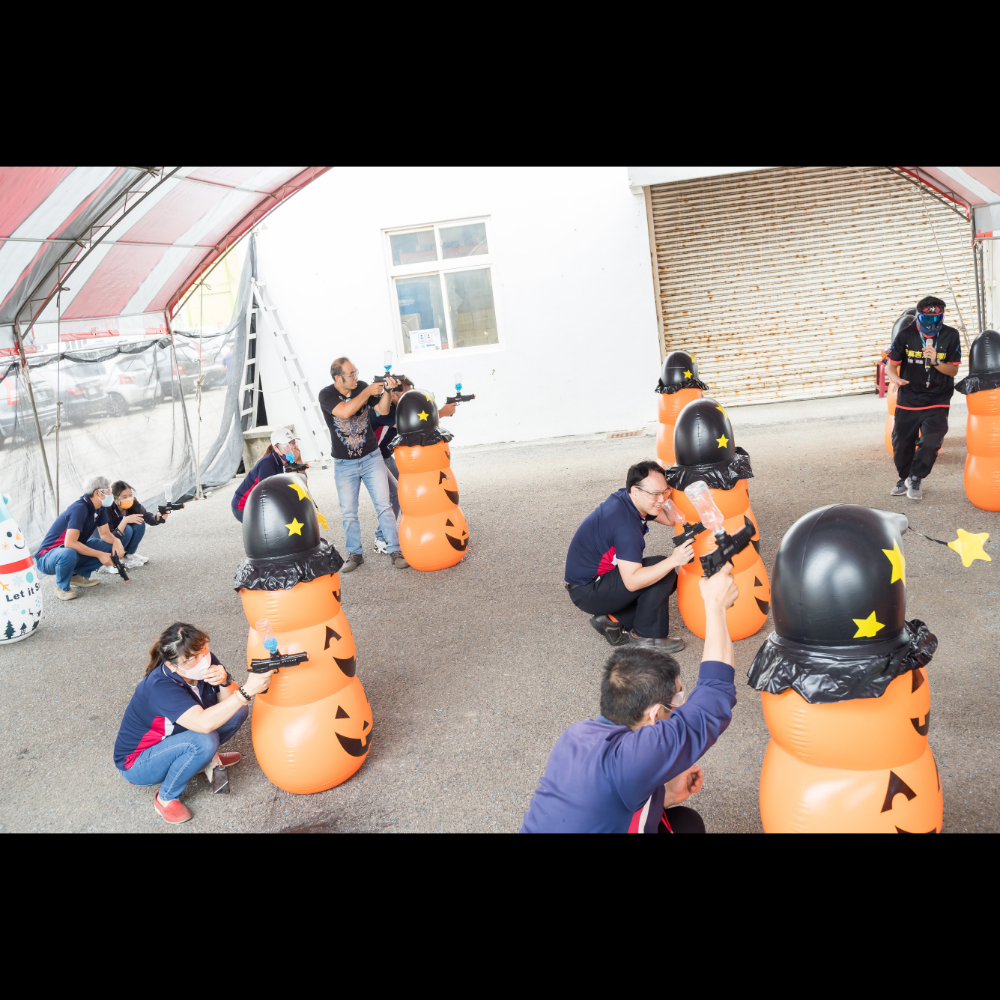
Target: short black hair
635,678
638,472
337,367
118,487
930,302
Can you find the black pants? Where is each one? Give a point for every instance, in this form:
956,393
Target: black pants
681,820
931,425
644,612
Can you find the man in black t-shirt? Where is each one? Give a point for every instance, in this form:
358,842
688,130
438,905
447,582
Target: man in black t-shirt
356,457
923,362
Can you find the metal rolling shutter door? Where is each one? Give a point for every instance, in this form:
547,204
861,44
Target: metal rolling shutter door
785,283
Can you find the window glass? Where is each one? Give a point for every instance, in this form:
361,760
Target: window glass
421,313
464,241
413,248
470,303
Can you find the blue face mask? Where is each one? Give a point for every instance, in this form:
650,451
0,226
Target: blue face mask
107,501
289,458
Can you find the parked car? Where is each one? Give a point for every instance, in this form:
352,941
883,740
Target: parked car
131,380
80,386
186,372
16,418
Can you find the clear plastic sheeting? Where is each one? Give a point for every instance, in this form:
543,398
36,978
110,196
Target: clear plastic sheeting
142,411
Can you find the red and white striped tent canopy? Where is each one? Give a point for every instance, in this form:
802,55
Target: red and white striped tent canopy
124,243
978,188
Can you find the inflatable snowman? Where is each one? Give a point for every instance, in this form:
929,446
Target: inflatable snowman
21,601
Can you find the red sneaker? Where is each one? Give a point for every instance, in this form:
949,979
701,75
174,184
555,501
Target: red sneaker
228,759
172,812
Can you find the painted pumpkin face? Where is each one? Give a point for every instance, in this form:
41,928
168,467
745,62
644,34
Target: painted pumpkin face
748,613
434,542
424,493
309,748
863,734
289,610
796,797
420,458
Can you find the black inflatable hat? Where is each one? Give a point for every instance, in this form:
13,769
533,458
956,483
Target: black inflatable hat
281,537
679,371
703,434
838,598
984,364
907,317
416,411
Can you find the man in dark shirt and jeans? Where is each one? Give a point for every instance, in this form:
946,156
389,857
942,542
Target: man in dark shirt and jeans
923,362
356,457
628,770
606,574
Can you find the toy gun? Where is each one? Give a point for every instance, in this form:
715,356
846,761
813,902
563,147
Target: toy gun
276,659
690,530
294,466
726,545
458,397
387,365
164,507
118,566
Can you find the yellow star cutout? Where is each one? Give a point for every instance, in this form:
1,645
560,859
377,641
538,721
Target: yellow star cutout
895,556
970,547
867,627
295,528
723,412
688,375
301,490
723,441
322,520
422,415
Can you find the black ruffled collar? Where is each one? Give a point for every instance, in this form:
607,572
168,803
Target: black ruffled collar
717,475
982,382
422,438
825,674
688,383
284,572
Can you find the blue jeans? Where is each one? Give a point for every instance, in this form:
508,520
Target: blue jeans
349,473
173,762
390,466
64,563
131,536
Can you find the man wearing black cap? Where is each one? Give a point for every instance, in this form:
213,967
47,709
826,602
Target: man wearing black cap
923,362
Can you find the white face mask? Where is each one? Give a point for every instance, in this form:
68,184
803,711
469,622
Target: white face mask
677,700
200,669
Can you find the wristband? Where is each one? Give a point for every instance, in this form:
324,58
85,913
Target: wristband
245,695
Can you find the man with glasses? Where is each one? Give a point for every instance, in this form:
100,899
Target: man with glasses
356,457
607,575
923,362
62,552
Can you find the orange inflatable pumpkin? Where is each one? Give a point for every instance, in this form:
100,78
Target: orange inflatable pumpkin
843,683
290,588
982,428
433,533
703,443
678,385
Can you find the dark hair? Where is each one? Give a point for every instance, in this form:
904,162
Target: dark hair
337,368
178,642
638,472
118,487
930,302
634,679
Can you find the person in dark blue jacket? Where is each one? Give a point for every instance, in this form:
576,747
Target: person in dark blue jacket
628,770
284,449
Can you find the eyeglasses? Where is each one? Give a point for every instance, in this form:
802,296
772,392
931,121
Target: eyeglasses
350,375
657,493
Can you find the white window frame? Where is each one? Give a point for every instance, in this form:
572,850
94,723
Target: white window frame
441,268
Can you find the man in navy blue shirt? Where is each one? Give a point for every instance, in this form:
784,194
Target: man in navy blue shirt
606,573
628,770
64,551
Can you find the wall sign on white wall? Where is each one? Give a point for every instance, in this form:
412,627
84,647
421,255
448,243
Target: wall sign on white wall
425,340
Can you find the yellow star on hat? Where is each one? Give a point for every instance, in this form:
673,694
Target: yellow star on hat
970,546
867,627
295,528
895,556
723,412
723,441
422,415
301,490
688,375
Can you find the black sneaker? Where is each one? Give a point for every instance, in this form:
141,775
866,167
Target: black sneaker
913,490
610,629
669,644
899,489
352,562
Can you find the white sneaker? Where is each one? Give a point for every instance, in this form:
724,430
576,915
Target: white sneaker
380,546
108,569
131,562
141,560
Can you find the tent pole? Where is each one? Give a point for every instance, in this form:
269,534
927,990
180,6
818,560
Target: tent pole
975,270
34,409
180,388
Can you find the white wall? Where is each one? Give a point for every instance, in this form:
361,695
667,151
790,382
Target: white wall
572,279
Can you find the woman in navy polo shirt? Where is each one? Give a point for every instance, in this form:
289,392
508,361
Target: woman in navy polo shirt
284,449
182,711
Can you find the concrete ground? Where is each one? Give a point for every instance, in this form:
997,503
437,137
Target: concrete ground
473,672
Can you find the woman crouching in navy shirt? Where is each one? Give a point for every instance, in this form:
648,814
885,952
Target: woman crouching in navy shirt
182,711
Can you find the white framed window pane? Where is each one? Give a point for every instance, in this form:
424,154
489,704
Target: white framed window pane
464,241
470,305
413,248
421,313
